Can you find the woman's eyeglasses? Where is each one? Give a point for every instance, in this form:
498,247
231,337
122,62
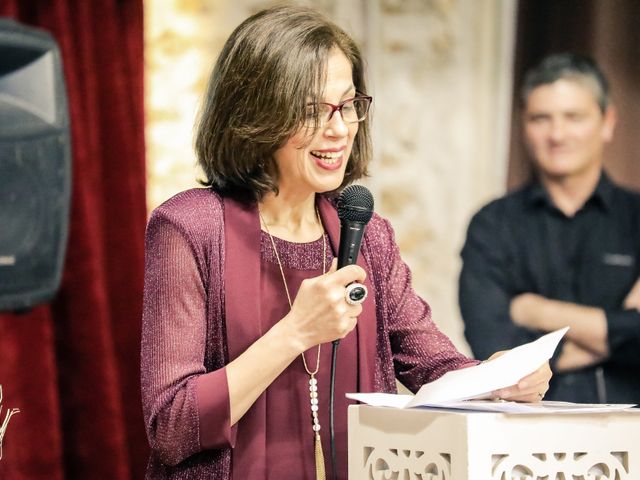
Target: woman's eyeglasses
353,110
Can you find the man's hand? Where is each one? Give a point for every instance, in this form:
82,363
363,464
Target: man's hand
529,310
587,325
574,357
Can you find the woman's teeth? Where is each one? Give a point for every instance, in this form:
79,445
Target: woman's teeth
328,157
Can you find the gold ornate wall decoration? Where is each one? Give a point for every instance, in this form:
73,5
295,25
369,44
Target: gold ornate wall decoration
179,38
443,7
441,88
421,30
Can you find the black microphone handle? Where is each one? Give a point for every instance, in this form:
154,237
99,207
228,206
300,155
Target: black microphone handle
350,240
355,201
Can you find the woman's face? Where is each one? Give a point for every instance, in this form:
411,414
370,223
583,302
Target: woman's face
314,161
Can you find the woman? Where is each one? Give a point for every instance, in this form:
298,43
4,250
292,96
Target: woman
242,290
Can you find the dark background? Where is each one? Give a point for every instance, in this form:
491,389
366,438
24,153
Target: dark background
608,31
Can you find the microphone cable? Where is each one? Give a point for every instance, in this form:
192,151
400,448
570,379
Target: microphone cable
332,382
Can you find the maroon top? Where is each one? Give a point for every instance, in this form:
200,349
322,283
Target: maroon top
290,439
202,257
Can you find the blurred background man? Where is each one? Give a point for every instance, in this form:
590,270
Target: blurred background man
563,250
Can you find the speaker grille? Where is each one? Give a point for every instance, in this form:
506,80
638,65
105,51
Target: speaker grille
35,167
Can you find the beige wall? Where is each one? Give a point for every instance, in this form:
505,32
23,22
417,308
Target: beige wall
440,74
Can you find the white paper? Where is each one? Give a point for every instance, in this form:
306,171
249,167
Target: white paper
474,382
480,380
543,407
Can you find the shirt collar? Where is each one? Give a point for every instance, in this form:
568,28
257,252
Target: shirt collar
604,191
602,195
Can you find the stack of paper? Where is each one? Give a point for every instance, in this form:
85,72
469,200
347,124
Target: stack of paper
465,388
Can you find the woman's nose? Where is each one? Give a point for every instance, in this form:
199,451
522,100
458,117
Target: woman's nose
336,126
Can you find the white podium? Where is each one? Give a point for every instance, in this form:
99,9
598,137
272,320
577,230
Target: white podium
387,443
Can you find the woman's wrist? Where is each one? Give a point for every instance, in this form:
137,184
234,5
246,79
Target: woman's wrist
289,337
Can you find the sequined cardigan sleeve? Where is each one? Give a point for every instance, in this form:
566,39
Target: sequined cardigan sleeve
186,409
410,346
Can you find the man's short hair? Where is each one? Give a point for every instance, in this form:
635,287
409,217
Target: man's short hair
567,66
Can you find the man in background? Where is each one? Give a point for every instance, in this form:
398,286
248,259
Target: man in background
563,250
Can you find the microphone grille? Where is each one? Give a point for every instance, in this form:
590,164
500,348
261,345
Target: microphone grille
355,204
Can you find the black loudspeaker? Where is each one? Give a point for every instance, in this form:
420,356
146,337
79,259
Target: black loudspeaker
35,166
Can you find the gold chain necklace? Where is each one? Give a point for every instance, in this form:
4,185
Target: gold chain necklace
313,381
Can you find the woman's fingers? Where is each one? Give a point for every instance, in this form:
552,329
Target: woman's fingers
531,388
346,275
320,311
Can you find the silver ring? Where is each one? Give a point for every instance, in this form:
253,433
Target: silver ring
355,293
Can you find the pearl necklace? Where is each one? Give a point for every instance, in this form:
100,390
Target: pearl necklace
313,381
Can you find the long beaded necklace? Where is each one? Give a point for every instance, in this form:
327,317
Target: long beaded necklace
313,381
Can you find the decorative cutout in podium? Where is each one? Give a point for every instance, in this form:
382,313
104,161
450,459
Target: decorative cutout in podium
388,443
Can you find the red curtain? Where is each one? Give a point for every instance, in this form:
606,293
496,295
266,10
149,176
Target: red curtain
72,365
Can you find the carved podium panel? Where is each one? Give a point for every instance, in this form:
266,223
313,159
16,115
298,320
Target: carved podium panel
420,444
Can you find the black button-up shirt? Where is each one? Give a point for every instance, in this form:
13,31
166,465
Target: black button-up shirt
523,243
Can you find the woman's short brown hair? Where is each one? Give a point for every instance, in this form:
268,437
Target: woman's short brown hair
271,66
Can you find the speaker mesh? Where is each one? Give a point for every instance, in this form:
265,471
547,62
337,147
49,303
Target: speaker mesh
35,172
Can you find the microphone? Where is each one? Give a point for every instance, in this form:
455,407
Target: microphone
355,208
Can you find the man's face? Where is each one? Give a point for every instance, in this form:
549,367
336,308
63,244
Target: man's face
565,130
